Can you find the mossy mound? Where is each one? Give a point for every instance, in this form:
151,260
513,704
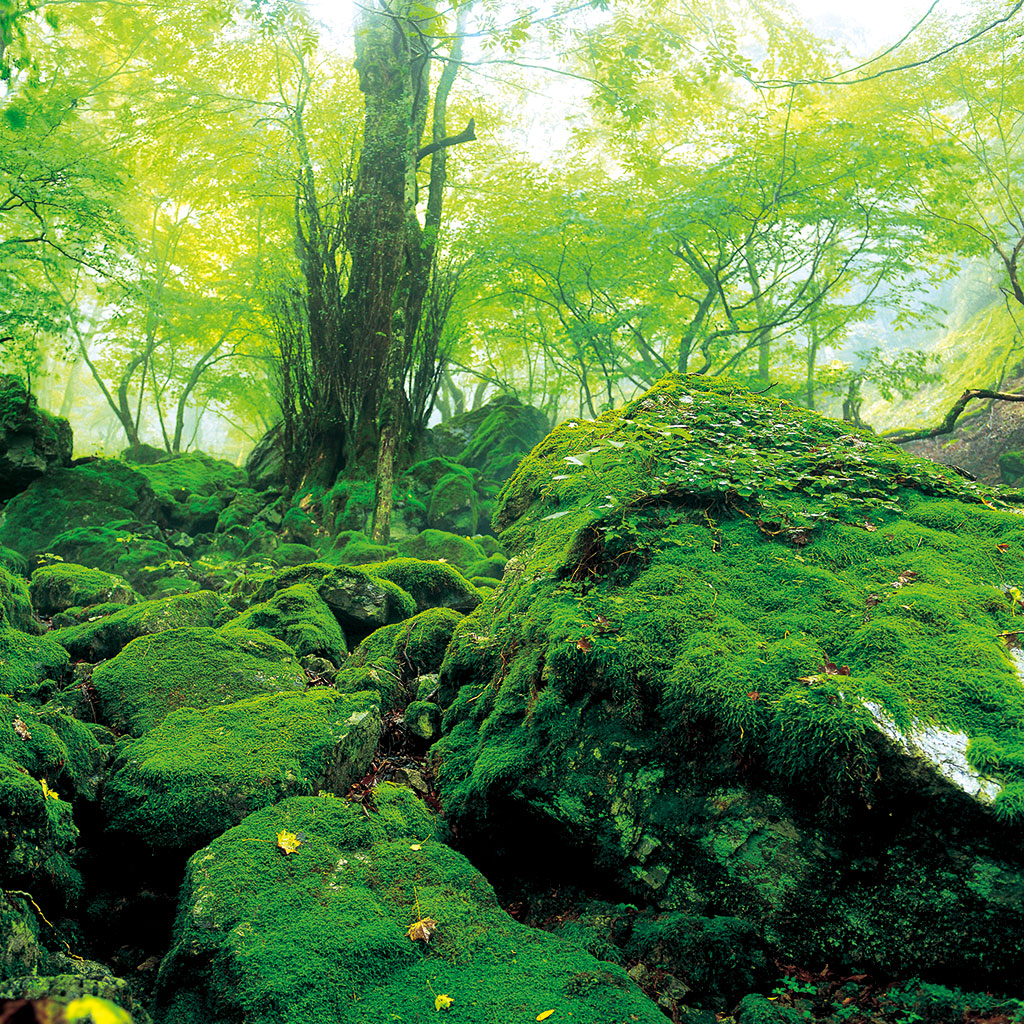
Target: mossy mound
453,504
20,950
104,637
28,661
194,667
127,548
14,561
108,998
441,546
62,585
301,619
735,644
256,924
202,770
192,490
16,603
32,442
431,584
51,745
93,494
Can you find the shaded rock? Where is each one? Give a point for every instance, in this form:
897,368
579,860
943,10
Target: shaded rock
62,585
32,442
265,465
240,951
423,719
102,638
192,667
453,504
20,950
203,770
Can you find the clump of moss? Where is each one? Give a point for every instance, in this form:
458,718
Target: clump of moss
13,561
192,490
16,603
453,504
194,667
104,637
32,442
62,585
254,923
431,584
440,546
301,619
27,661
201,770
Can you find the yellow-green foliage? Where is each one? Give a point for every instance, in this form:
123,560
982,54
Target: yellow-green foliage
297,616
202,770
102,638
320,936
431,584
62,585
192,666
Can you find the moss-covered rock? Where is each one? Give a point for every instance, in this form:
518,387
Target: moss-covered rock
109,996
32,442
14,561
190,667
736,645
192,490
95,640
16,603
20,950
200,771
92,494
255,924
62,585
441,546
431,584
27,661
453,504
301,619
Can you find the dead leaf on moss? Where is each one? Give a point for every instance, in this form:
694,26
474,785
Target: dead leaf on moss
422,929
905,577
545,1015
21,729
48,794
443,1002
869,526
288,841
585,644
416,846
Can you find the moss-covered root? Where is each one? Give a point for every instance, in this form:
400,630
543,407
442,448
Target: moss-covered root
257,923
201,771
190,667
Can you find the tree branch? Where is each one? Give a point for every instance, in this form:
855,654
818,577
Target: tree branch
947,425
468,134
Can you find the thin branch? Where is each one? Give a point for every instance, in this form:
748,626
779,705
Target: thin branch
948,424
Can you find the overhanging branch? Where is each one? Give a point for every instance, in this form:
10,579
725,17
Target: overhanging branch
468,134
948,424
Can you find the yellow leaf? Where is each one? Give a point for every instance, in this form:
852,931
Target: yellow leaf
96,1010
416,846
288,841
443,1002
545,1015
48,793
422,929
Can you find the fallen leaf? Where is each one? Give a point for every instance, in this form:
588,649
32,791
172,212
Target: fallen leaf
869,526
754,695
21,729
416,846
50,794
601,622
443,1002
585,644
96,1010
871,600
545,1015
288,841
422,929
905,577
1002,547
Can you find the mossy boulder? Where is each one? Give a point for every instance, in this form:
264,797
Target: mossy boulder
190,667
93,494
299,617
97,639
127,548
27,661
440,545
62,585
14,561
32,442
453,504
20,949
255,925
16,603
430,584
202,770
110,997
742,651
192,490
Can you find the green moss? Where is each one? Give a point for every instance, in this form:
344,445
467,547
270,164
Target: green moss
202,770
437,545
191,667
348,505
13,561
416,647
492,566
294,554
453,505
106,636
356,553
255,925
62,585
192,473
26,661
16,604
431,584
301,619
89,495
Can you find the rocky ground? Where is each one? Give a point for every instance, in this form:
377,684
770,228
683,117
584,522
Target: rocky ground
725,723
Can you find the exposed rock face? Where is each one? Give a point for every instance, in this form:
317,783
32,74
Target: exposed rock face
748,663
32,442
